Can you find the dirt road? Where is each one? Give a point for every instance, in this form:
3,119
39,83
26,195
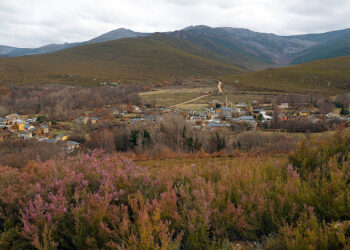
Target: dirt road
220,90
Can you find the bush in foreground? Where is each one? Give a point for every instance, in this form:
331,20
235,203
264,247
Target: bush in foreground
101,201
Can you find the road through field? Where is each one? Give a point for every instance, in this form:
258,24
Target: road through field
220,90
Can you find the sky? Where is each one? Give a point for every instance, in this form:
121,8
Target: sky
34,23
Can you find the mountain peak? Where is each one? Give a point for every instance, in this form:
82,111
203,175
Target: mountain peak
113,35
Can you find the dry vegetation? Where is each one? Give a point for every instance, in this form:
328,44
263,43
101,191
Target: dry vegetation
106,201
171,95
60,102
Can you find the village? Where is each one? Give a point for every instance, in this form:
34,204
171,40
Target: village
256,115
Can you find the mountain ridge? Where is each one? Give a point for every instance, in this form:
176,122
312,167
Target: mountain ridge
143,59
50,48
239,46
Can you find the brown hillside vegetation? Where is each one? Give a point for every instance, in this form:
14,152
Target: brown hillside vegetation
329,76
137,59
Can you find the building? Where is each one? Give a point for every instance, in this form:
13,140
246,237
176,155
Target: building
82,120
62,137
114,111
45,129
247,119
267,105
215,104
259,111
304,113
21,127
224,110
70,146
12,117
3,121
53,140
241,105
136,109
94,120
332,115
283,105
217,126
25,135
282,117
135,120
267,117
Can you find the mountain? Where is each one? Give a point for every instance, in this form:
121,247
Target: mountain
154,58
234,46
42,50
112,35
256,50
117,34
327,76
328,45
4,50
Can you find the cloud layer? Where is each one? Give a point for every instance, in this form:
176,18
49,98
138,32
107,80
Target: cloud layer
35,23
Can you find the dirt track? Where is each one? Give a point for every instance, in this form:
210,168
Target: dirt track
220,90
220,87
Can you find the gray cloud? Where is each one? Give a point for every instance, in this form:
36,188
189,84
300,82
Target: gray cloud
34,23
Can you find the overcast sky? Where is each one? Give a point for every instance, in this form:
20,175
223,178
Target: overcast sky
32,23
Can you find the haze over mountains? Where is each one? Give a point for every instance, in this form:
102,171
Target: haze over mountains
242,47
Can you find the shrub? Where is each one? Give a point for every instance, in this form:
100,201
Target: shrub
308,233
344,111
106,201
42,119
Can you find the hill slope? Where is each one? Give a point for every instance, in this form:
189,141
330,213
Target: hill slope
256,50
331,44
327,76
235,46
136,59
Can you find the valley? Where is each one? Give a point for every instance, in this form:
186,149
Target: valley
199,138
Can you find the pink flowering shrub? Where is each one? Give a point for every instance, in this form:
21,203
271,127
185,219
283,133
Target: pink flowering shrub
103,201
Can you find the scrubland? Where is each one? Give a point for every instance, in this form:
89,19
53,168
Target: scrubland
107,201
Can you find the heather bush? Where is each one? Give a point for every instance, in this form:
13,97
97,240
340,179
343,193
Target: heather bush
101,201
106,201
309,233
317,154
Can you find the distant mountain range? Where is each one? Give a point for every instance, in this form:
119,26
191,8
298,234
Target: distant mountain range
6,51
200,51
260,50
240,47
